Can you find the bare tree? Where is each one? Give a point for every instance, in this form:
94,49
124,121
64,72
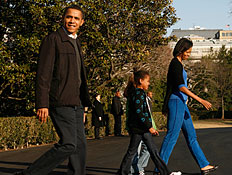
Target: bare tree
211,79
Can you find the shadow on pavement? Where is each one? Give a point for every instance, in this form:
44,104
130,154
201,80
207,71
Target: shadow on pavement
101,170
64,167
183,173
15,163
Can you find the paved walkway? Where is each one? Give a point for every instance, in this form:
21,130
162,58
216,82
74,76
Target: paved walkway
199,124
104,156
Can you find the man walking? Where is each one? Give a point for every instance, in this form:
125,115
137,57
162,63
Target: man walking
62,94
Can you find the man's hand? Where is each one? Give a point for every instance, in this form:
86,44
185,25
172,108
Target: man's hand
84,117
153,131
85,114
42,114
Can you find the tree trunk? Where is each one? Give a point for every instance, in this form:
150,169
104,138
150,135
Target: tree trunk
223,112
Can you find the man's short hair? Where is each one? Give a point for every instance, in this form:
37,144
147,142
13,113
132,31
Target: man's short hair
74,7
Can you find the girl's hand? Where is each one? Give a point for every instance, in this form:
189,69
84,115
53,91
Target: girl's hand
153,131
206,104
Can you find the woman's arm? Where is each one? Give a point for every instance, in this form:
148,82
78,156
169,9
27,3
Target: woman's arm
205,103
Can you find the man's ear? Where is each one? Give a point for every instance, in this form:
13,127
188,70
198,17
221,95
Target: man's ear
82,22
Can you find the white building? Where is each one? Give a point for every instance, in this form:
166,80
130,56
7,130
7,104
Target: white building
204,40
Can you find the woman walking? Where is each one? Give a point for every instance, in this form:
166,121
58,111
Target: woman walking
175,105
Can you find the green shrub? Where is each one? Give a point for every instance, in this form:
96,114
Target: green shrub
160,120
21,132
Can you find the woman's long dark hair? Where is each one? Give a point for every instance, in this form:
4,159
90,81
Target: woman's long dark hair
181,46
134,81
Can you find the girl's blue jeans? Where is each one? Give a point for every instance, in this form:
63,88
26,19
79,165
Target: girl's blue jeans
141,159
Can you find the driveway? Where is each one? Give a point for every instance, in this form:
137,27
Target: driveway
104,156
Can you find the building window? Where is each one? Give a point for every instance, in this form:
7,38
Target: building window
223,34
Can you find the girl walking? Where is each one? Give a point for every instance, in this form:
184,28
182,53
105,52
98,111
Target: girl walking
140,124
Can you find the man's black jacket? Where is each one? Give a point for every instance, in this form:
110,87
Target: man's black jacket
56,82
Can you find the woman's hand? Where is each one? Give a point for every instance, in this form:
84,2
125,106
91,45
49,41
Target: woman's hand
153,131
206,104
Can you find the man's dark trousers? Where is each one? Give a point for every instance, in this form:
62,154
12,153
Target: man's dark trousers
68,122
117,125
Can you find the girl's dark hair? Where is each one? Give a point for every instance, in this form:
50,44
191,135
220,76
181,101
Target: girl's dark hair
134,81
141,74
181,46
130,86
74,7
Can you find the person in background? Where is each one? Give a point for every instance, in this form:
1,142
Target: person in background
175,106
62,94
106,124
97,116
117,111
140,124
149,98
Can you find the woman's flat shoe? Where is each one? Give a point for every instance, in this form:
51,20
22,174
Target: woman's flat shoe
206,172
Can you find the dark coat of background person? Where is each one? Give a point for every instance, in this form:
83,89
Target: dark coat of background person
116,108
96,121
96,113
117,111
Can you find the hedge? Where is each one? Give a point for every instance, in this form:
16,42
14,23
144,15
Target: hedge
19,132
22,132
